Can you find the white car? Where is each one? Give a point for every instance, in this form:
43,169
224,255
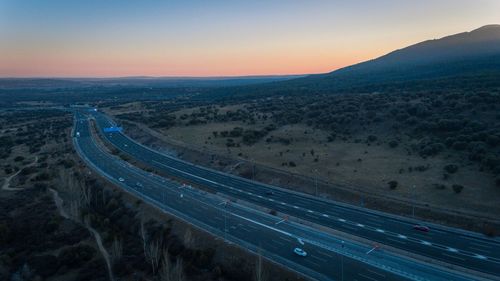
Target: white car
139,184
121,179
300,252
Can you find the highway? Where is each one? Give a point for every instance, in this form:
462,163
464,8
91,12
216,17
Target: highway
328,258
453,246
320,264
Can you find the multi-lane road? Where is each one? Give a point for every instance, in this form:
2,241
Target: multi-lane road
453,246
327,259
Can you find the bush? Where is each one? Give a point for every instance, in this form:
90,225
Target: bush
18,159
439,186
292,164
451,168
457,188
76,256
490,230
393,144
393,184
45,265
459,145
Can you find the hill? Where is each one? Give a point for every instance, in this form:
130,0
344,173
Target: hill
465,60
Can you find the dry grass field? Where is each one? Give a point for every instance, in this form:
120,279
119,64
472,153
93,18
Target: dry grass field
360,165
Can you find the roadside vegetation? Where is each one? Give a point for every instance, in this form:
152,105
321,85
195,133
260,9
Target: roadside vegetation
61,221
439,148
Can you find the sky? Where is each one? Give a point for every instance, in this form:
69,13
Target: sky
115,38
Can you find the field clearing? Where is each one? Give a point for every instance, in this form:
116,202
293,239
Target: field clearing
363,166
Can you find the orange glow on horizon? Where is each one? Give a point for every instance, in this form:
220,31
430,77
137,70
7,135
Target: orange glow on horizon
56,38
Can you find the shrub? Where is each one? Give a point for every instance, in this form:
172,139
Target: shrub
44,265
292,164
457,188
393,143
18,159
459,145
439,186
490,230
393,184
451,168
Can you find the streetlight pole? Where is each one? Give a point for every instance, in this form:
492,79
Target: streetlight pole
342,262
225,222
253,170
225,218
413,202
316,180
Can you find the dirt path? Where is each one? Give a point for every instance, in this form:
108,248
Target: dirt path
59,204
6,184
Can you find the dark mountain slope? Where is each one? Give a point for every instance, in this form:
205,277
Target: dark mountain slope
463,54
469,60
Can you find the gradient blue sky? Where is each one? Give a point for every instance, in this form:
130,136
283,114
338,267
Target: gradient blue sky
212,38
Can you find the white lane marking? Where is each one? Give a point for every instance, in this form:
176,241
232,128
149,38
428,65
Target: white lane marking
425,243
395,240
402,236
310,216
360,225
453,250
270,199
295,207
380,230
455,257
367,277
481,257
341,220
325,215
310,211
283,203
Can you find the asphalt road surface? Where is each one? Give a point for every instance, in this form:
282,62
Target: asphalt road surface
469,250
247,228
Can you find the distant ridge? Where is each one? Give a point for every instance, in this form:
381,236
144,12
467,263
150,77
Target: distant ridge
464,54
464,60
141,81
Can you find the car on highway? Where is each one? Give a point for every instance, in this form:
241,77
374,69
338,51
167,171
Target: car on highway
121,179
139,184
300,252
422,228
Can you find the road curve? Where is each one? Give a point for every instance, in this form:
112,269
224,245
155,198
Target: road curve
449,245
327,258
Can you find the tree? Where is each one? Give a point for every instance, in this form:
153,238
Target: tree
451,168
393,184
166,267
153,254
393,143
260,274
457,188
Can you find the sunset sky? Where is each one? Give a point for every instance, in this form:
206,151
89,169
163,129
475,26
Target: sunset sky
106,38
